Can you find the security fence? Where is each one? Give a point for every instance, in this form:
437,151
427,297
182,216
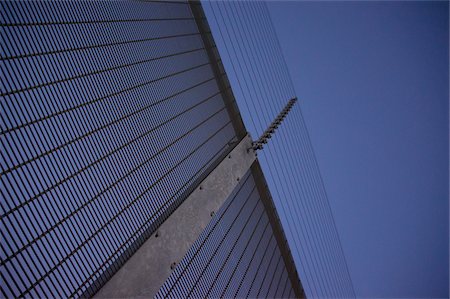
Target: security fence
112,112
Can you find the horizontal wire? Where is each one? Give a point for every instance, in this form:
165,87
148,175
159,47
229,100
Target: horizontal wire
165,1
8,130
29,88
250,262
143,225
95,22
210,232
69,284
119,119
291,195
192,286
103,191
78,138
231,250
98,46
265,271
17,166
23,204
140,196
273,276
222,295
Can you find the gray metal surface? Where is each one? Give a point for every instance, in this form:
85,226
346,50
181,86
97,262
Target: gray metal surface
144,273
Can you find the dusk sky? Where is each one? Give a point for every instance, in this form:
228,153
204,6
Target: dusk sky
372,82
372,79
115,114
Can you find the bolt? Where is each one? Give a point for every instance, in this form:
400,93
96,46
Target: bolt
212,213
173,265
201,188
237,179
157,234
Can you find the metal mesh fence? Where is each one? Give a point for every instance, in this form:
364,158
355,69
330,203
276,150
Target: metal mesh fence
110,111
253,59
236,256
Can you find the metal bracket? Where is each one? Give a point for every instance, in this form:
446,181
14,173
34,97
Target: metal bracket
146,271
259,144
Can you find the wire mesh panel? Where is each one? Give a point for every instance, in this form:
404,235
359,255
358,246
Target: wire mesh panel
255,65
110,112
236,256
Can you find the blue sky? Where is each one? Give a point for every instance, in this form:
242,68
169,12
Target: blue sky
373,82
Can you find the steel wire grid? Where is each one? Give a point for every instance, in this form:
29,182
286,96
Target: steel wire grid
235,256
110,112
